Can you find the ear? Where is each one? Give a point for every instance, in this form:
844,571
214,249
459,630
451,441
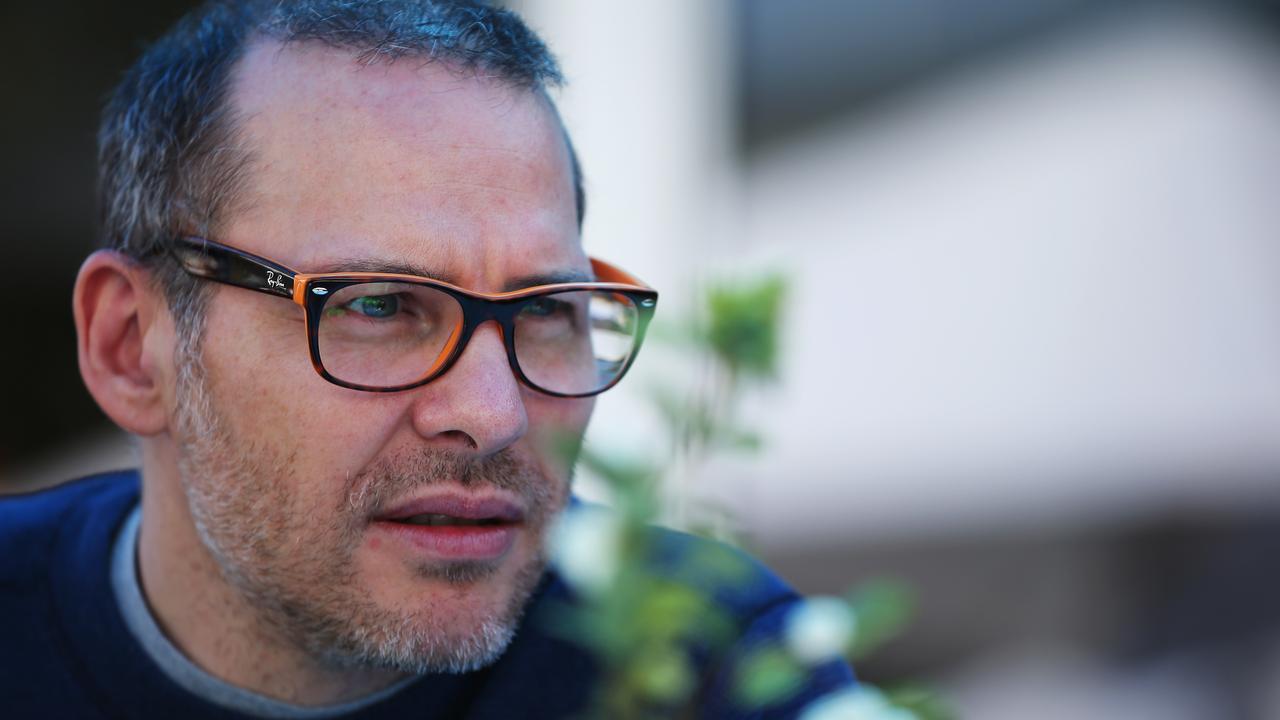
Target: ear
124,340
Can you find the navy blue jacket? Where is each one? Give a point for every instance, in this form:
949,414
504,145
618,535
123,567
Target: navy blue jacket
65,651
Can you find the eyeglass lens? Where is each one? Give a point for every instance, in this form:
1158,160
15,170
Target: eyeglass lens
386,334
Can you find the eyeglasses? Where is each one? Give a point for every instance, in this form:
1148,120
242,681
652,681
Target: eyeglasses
386,332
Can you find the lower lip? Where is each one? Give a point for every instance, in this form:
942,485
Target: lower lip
454,542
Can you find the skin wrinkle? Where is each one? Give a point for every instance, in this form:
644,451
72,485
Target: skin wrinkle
490,186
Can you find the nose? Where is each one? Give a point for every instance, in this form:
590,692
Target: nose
477,404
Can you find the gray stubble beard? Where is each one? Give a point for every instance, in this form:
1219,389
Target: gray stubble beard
245,517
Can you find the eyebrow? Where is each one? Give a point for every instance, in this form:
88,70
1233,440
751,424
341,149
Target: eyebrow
364,264
552,278
374,265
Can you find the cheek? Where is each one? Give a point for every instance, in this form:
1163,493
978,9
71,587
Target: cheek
556,427
248,367
266,389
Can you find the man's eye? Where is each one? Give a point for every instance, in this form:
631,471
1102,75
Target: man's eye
546,307
375,306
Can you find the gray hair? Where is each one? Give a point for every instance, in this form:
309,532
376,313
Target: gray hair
170,158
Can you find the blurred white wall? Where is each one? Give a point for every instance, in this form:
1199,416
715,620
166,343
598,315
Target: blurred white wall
649,104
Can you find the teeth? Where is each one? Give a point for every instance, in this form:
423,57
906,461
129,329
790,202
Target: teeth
434,519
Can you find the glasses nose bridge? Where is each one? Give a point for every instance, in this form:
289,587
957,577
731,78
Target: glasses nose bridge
476,313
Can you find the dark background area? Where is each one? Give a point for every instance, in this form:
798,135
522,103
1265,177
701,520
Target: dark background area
63,59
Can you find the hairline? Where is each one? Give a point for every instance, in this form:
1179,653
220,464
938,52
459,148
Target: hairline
231,123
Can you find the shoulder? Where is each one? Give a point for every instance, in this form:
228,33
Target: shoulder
760,605
737,582
54,593
588,542
30,523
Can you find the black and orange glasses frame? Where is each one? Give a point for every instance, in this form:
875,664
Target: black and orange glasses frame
573,339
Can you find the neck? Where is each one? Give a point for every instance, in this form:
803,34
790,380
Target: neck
209,620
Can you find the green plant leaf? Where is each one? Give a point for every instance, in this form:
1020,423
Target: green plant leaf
743,325
923,702
882,608
766,676
662,674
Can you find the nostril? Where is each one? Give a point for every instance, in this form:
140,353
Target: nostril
461,438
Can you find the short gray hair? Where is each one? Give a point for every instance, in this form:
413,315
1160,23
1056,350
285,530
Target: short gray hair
170,159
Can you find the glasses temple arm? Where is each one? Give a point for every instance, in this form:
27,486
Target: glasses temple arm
606,272
212,261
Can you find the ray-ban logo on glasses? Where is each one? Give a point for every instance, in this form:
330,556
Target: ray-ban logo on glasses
275,280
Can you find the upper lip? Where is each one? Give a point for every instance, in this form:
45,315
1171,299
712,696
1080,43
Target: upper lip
457,505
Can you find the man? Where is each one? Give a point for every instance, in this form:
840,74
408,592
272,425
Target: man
344,308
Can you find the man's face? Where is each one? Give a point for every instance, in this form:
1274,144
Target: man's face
298,486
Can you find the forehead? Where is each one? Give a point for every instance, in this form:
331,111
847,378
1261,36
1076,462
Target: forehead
409,163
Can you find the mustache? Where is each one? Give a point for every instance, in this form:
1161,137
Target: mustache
406,473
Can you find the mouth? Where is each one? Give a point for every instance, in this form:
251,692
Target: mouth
438,520
453,526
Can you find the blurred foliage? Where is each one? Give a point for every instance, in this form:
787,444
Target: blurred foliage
648,628
920,701
883,609
743,322
767,676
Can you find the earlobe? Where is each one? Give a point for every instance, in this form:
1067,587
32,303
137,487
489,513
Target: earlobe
116,314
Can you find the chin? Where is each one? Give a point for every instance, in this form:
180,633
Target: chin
435,616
